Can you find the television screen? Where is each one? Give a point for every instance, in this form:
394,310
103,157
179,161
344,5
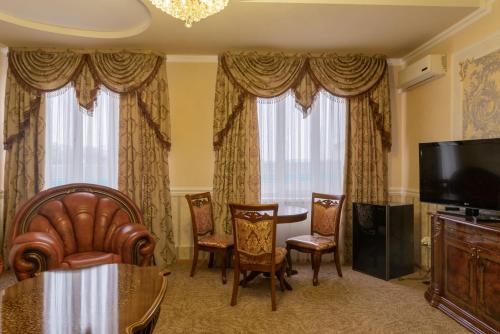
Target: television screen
462,173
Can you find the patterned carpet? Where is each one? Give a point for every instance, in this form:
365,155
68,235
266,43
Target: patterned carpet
356,303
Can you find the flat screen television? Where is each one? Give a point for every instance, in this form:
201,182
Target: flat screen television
461,173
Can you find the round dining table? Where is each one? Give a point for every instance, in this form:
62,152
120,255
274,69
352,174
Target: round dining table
286,214
291,214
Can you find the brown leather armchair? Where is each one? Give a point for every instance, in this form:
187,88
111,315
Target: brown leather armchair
76,226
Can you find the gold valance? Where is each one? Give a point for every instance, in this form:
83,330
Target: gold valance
40,71
251,74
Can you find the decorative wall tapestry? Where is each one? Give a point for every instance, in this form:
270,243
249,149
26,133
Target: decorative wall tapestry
476,90
481,96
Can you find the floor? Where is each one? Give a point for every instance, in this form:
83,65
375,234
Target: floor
356,303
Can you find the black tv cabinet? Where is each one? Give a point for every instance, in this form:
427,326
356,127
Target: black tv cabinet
383,239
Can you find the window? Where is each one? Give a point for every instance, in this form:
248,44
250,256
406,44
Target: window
80,147
300,155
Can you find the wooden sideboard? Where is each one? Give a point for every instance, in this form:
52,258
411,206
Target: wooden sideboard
466,272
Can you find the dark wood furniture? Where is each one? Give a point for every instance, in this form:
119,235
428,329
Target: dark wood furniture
75,226
382,239
111,298
324,238
466,272
288,214
254,230
204,237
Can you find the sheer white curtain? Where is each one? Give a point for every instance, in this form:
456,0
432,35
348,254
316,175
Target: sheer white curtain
300,155
80,147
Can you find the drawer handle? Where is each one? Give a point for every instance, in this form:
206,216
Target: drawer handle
472,254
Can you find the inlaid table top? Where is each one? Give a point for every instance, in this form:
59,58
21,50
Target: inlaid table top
114,298
291,214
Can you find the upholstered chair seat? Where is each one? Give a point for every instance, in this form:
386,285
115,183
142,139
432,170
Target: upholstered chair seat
326,211
216,240
315,242
87,259
75,226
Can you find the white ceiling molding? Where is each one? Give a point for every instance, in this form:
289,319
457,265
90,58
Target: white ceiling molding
81,19
484,10
436,3
192,58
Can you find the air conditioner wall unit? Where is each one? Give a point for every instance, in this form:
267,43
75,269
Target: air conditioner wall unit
423,70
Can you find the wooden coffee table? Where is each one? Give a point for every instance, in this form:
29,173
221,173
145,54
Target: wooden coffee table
114,298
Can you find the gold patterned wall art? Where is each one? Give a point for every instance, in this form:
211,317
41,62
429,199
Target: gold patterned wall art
475,95
481,96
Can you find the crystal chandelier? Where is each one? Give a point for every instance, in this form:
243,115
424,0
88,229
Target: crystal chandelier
190,11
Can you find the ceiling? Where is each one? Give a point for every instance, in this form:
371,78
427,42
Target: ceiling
391,27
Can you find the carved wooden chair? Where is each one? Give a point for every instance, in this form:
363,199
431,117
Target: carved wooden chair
204,238
254,230
324,237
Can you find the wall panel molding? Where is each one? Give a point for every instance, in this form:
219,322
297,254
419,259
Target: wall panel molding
184,190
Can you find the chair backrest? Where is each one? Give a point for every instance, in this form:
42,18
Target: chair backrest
83,217
325,214
202,218
254,229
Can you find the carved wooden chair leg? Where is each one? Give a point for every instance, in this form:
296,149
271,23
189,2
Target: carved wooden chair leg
289,261
244,284
282,276
273,290
195,261
236,284
337,262
312,261
211,260
224,264
317,264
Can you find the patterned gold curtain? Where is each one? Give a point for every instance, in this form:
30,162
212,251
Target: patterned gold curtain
237,165
140,79
242,77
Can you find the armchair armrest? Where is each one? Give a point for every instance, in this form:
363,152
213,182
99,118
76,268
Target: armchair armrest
134,243
35,252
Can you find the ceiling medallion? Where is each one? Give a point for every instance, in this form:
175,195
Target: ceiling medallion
190,11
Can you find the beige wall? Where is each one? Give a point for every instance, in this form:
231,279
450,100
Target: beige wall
192,91
395,155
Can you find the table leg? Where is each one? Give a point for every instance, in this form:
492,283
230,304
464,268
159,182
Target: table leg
254,274
250,277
